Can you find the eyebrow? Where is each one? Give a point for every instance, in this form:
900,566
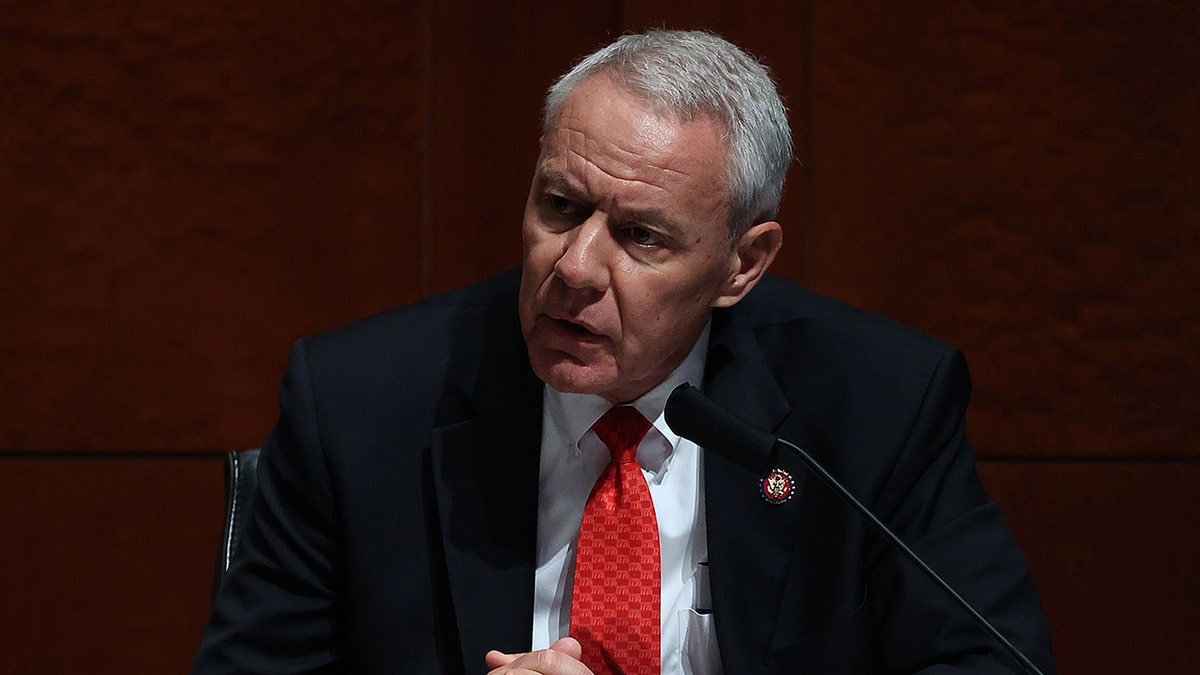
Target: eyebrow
656,219
559,181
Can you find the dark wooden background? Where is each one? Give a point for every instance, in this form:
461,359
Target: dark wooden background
186,188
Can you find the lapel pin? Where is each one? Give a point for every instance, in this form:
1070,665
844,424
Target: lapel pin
777,487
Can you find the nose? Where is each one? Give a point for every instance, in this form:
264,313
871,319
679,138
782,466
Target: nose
584,260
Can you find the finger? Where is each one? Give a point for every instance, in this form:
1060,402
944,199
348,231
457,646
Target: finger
569,646
497,658
542,661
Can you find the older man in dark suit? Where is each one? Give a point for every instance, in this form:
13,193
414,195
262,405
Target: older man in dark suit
485,480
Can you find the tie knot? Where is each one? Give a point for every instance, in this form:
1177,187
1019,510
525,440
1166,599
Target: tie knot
622,429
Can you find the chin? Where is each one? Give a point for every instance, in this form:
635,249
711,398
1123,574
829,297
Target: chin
570,377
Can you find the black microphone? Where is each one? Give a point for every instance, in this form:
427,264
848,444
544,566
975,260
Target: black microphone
694,416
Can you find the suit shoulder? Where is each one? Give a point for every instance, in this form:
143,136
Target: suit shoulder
429,322
777,304
414,348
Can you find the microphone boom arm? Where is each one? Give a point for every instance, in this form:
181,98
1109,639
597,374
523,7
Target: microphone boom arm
827,478
694,416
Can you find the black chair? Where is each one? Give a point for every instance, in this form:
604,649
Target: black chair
241,484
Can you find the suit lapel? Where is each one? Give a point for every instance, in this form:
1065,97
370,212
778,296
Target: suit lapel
750,542
485,475
484,459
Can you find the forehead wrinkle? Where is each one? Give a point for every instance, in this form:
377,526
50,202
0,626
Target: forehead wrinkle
627,180
654,137
581,161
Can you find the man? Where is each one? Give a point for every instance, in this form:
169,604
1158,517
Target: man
429,495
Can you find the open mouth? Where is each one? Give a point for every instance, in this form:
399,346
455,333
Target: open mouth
574,330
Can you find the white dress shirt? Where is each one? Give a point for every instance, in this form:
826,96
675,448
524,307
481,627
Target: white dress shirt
572,458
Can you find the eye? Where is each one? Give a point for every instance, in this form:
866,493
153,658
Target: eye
561,204
642,237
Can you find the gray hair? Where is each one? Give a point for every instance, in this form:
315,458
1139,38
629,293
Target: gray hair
698,75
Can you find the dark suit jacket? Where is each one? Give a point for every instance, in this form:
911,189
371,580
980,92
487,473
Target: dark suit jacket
395,526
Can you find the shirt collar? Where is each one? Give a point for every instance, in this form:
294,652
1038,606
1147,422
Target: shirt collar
578,412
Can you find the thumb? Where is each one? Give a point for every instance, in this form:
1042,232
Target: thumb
569,646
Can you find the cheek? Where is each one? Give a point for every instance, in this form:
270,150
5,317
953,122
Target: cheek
654,319
541,250
657,319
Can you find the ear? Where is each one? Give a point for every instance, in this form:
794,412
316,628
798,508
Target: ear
753,254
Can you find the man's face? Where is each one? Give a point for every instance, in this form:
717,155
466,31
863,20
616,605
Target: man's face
626,246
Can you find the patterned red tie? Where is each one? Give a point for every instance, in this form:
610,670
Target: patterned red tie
615,604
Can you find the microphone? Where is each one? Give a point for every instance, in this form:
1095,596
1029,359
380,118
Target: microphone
694,416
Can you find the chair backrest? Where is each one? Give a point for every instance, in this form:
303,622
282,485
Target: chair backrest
241,484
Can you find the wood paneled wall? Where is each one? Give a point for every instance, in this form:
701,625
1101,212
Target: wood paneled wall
186,188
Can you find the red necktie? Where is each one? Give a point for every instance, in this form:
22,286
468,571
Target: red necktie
615,604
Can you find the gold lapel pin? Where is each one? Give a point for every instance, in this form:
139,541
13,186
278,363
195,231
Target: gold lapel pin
777,487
